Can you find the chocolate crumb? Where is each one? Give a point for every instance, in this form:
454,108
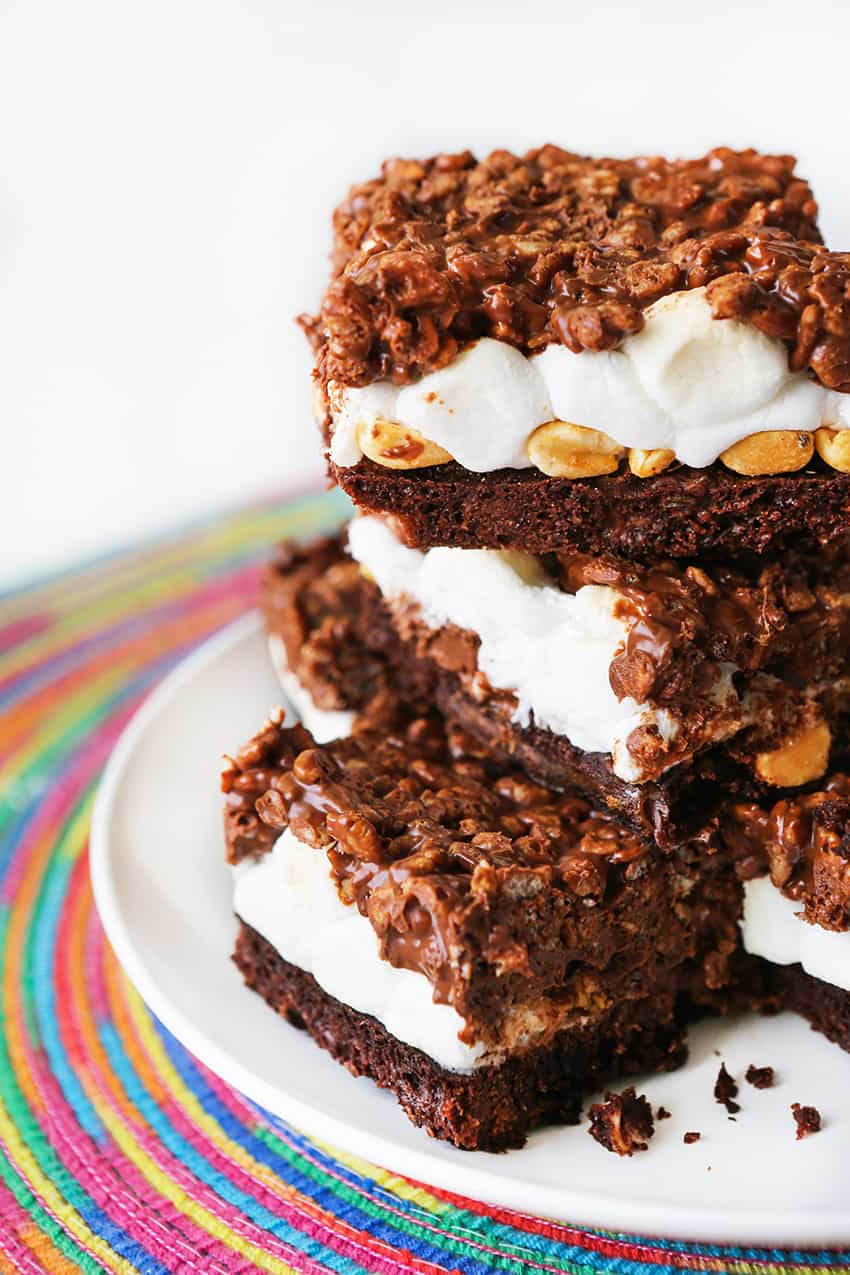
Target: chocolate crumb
760,1077
623,1123
662,1114
807,1118
726,1090
692,1135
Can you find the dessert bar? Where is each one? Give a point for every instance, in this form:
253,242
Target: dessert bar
487,949
549,351
653,692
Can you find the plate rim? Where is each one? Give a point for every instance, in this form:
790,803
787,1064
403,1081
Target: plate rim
561,1204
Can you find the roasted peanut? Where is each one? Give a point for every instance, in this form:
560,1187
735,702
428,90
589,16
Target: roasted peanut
798,760
563,450
398,446
776,451
833,446
647,464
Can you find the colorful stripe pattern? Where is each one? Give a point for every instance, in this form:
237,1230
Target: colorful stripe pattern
118,1151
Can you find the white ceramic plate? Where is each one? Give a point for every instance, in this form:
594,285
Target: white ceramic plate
165,899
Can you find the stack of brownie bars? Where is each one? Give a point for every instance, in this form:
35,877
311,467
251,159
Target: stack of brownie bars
573,682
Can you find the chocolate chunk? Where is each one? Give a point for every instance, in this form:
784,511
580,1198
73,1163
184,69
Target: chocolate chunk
760,1077
726,1090
691,1136
623,1123
662,1114
807,1119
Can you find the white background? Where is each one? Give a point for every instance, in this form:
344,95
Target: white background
168,170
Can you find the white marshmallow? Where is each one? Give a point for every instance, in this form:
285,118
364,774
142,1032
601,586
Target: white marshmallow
289,898
773,929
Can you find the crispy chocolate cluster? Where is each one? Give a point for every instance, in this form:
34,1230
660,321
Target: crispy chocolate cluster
790,616
803,841
623,1123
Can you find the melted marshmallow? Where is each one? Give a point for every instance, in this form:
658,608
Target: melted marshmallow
289,898
554,654
772,928
686,382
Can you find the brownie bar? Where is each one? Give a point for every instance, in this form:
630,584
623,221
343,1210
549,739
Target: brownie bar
682,513
525,909
556,247
491,1108
802,840
781,614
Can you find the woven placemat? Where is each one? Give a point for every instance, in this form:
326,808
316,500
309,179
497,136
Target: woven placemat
118,1151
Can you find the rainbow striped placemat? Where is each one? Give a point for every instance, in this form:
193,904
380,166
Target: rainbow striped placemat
118,1151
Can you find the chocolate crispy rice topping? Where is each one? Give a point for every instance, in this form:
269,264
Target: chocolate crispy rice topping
556,247
803,842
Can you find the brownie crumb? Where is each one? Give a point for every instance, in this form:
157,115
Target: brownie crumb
623,1123
760,1077
693,1135
807,1118
662,1114
726,1090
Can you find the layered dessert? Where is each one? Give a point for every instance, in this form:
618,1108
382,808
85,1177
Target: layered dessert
548,351
575,680
492,951
487,949
658,693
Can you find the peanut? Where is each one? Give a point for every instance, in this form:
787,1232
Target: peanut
398,446
833,446
648,464
776,451
798,760
563,450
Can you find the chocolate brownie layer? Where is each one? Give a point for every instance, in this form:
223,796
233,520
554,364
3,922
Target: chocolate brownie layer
490,1108
682,513
781,614
826,1007
556,247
